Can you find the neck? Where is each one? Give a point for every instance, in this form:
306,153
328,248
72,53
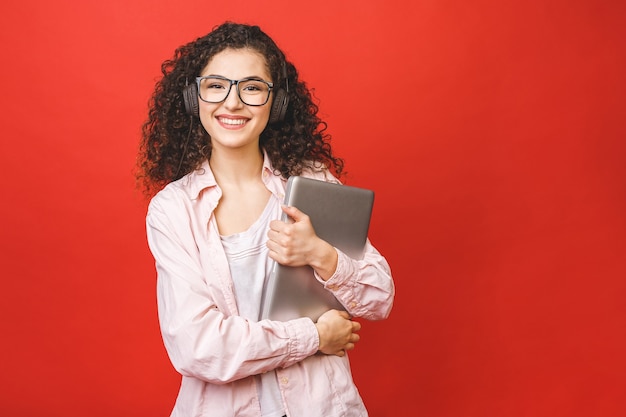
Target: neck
236,167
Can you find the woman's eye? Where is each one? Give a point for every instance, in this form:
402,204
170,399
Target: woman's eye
253,87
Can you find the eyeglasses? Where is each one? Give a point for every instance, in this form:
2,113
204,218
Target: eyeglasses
251,91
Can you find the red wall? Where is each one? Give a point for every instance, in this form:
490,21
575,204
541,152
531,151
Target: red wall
492,132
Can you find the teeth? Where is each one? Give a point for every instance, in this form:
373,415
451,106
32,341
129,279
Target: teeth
233,121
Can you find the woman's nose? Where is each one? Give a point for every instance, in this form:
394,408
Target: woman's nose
232,100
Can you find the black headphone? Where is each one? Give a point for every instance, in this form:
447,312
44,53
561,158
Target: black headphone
277,112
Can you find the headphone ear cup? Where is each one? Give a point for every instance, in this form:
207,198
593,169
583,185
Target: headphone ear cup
279,106
190,97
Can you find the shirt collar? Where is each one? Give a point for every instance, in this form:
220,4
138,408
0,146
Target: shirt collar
202,178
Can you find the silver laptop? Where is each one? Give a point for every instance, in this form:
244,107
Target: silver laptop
340,215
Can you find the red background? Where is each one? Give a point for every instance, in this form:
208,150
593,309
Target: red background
492,132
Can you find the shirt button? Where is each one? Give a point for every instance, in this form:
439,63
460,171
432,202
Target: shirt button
353,304
284,380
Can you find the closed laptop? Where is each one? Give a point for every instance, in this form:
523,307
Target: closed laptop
340,215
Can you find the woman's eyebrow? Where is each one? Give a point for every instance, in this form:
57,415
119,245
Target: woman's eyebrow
249,77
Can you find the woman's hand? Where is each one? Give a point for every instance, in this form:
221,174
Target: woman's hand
296,244
337,332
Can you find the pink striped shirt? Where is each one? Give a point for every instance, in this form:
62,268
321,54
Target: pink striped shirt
218,352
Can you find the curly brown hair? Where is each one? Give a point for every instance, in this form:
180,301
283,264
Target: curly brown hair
174,143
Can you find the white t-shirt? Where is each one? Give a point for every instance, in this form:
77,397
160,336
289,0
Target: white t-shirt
250,267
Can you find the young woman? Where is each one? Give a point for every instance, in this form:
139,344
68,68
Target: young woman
229,122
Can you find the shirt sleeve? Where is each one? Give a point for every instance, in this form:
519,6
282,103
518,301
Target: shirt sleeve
364,287
201,338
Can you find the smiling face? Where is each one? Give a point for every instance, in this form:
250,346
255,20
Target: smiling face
231,123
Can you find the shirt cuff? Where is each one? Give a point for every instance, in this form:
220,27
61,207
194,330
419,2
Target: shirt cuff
304,339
